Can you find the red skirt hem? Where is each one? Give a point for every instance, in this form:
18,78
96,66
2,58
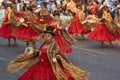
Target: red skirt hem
25,33
76,27
5,31
101,33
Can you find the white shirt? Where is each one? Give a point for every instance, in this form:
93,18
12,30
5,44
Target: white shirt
58,2
46,0
51,7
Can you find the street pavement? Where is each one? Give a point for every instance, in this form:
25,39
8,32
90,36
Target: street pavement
103,63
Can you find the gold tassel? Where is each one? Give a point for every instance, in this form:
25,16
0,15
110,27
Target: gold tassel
12,68
66,36
31,62
75,72
60,75
113,28
22,60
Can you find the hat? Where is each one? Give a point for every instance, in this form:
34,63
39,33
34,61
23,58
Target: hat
50,29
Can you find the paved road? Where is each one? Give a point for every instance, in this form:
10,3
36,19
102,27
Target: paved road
103,63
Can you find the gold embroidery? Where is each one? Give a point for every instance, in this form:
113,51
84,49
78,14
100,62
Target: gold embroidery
23,61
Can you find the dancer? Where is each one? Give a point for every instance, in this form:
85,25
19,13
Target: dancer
48,63
62,37
103,31
76,27
44,16
7,28
25,31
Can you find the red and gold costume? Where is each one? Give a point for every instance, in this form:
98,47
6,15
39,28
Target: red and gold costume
25,30
46,66
62,38
17,14
101,33
6,28
42,70
104,31
76,27
44,17
64,46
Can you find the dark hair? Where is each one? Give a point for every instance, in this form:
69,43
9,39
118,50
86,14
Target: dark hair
96,1
9,5
5,5
56,13
102,1
45,5
24,6
19,1
89,12
13,1
106,8
99,14
30,8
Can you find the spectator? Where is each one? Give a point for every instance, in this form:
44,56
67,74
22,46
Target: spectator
40,2
51,6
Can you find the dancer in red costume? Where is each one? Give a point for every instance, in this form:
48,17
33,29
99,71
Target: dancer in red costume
62,38
44,16
7,28
25,32
76,26
50,63
103,31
